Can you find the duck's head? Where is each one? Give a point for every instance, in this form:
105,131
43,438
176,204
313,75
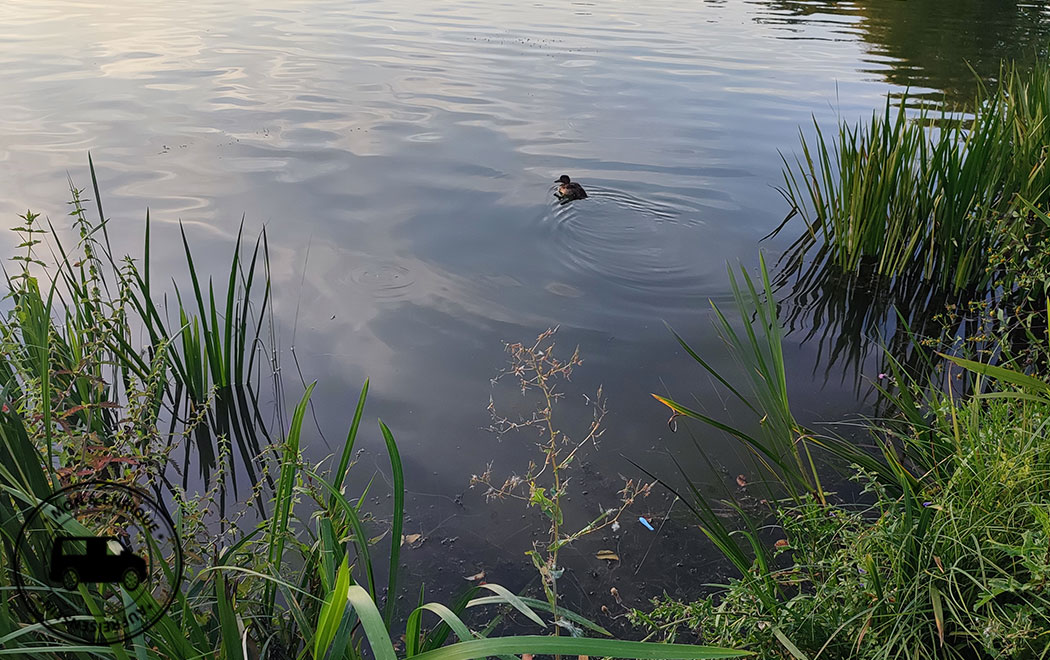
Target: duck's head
563,179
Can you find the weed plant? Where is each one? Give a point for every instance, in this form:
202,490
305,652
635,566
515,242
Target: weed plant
539,371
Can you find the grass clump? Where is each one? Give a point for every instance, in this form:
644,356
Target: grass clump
928,193
955,568
947,556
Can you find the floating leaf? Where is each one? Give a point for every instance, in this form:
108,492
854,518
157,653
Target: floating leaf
607,555
410,539
480,575
741,481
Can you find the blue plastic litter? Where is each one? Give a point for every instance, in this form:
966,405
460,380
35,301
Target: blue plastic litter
645,522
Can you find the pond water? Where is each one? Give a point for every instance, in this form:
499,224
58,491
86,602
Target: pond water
401,156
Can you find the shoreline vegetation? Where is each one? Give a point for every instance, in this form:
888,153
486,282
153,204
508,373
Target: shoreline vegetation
947,555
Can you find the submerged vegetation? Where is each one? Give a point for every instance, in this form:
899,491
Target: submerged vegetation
97,384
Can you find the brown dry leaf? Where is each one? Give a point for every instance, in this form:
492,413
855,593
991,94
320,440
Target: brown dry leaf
480,575
863,631
937,560
607,555
741,481
410,538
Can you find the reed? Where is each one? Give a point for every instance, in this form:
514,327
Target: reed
925,193
85,327
227,611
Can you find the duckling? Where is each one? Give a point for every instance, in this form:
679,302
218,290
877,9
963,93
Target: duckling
568,189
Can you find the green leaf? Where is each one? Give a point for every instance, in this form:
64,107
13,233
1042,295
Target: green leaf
515,601
1000,373
372,622
332,611
792,649
546,607
600,648
398,519
938,611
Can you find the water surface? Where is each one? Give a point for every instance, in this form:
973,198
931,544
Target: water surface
401,156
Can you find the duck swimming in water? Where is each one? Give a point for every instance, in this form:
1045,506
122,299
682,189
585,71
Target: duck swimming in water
568,189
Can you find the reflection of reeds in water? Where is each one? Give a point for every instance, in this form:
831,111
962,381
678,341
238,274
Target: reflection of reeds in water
854,315
902,215
213,358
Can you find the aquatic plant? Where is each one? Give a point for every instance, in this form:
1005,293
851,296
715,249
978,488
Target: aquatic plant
103,331
538,371
228,608
925,193
81,400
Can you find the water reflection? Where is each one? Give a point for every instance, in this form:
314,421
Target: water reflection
933,47
855,318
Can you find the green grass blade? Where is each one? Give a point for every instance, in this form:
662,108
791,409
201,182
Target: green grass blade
397,527
601,648
546,607
283,496
372,622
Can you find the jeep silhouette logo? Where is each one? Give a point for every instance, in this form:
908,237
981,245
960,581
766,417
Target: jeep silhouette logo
76,559
97,563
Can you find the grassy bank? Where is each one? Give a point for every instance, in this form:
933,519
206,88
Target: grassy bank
947,555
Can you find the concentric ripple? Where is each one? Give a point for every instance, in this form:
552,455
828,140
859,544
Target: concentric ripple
626,241
384,281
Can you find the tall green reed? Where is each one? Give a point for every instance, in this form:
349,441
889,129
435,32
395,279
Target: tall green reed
228,610
925,193
98,326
